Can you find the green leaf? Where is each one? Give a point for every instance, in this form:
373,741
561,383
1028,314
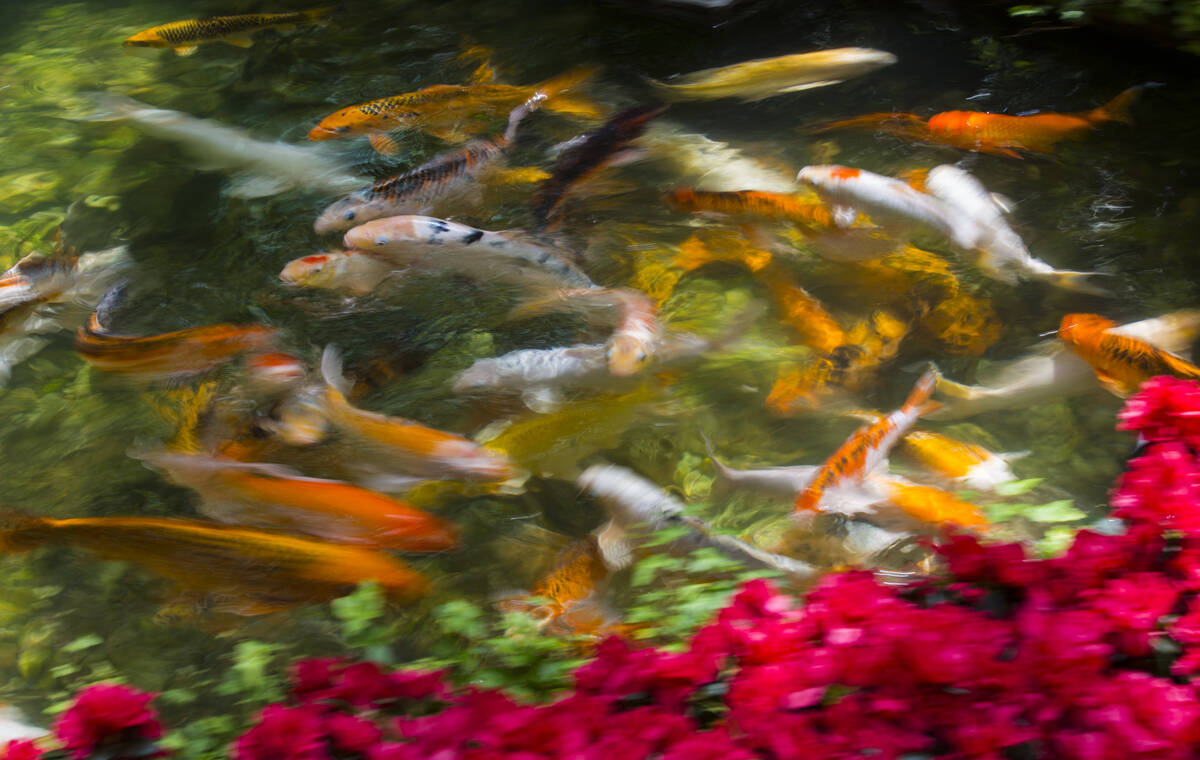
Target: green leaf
1062,510
86,641
1018,487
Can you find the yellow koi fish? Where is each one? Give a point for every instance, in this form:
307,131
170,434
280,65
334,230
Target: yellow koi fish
184,36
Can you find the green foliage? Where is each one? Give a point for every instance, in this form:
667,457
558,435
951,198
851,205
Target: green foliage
362,615
1181,17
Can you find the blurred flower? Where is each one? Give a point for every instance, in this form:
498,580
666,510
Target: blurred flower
284,733
20,749
113,716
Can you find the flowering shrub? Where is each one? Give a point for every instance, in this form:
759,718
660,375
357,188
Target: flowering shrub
1088,655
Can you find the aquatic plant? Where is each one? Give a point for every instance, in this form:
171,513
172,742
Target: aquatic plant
1085,655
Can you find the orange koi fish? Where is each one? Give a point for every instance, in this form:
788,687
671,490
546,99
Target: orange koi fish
569,591
753,205
867,449
407,445
928,504
804,314
996,133
1121,362
274,496
973,466
451,112
238,570
191,351
273,373
184,36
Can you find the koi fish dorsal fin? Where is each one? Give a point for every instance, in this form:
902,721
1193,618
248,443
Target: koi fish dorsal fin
331,370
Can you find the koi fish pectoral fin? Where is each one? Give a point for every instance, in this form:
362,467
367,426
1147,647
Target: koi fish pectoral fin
185,49
383,144
1111,384
614,547
239,40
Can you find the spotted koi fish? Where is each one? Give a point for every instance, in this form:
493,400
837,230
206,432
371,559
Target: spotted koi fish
867,449
1121,362
181,353
451,112
184,36
996,133
587,154
419,189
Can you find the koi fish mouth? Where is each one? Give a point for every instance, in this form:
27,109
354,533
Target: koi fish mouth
320,133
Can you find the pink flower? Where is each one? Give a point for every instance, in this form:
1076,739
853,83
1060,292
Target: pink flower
284,733
1165,409
350,733
1134,603
20,749
114,716
1162,488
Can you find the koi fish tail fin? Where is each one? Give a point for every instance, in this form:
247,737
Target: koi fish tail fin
950,388
555,89
1116,109
20,532
518,114
725,475
1076,281
331,370
110,106
918,400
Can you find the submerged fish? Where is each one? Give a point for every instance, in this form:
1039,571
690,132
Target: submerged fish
587,154
184,36
452,112
636,334
407,446
1121,362
708,163
267,168
1055,372
274,496
569,593
766,77
926,504
785,482
966,463
238,570
181,353
424,242
353,272
996,133
417,190
867,449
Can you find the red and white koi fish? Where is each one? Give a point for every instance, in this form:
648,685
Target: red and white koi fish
352,272
867,449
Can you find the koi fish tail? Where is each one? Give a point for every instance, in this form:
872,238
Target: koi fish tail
20,532
725,475
558,101
1076,281
950,388
918,400
1116,109
331,370
318,15
518,114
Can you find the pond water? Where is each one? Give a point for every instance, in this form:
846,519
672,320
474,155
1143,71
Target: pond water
1123,201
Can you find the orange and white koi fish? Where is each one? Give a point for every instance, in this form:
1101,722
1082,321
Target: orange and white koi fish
973,466
927,504
1122,363
355,273
274,372
237,570
451,112
762,78
184,36
637,332
274,496
181,353
409,446
1054,371
867,449
419,189
996,133
587,154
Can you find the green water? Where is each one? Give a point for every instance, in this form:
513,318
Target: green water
1124,201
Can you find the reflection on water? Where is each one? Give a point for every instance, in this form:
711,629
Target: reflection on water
205,248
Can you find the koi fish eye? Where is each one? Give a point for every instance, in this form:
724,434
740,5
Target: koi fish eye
349,215
641,357
381,241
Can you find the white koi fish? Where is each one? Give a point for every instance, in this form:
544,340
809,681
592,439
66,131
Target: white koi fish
785,482
353,272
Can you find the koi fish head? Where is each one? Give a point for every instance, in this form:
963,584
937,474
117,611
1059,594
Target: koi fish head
301,419
383,234
346,122
1075,328
626,355
683,199
274,371
316,271
147,38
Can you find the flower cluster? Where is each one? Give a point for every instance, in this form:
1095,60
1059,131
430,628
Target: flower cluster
107,720
1088,655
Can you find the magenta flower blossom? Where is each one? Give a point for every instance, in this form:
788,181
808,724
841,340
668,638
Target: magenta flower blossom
113,716
284,733
20,749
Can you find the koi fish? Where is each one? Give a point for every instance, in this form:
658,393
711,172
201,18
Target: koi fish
928,504
998,250
637,331
264,168
451,112
973,466
274,496
786,482
182,353
353,272
995,133
407,445
634,504
570,590
586,155
763,78
419,189
184,36
1121,363
867,448
272,373
423,241
1055,372
238,570
709,163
